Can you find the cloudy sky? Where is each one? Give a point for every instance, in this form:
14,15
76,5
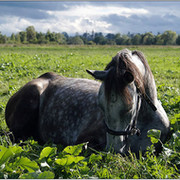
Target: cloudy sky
78,16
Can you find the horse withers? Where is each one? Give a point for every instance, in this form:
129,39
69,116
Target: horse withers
116,113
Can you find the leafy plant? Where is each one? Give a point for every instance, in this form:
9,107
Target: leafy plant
28,159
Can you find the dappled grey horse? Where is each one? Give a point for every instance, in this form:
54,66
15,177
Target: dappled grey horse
115,114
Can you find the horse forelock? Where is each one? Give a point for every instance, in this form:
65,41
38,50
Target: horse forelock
120,64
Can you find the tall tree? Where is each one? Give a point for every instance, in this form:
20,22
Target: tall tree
169,38
126,40
60,38
110,36
31,34
118,39
23,36
136,39
18,39
159,40
148,39
75,40
41,39
3,39
13,38
65,35
178,40
50,36
100,40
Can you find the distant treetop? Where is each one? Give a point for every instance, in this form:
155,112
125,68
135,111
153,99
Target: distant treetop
30,36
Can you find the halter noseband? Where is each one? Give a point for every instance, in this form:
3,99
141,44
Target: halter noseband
132,129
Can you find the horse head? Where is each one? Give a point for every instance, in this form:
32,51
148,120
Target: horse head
119,97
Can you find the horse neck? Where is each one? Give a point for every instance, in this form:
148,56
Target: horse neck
146,113
150,86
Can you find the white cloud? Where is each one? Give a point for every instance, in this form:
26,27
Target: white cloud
87,18
106,17
13,24
93,11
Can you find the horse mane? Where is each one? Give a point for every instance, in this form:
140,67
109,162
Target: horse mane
120,64
150,89
144,61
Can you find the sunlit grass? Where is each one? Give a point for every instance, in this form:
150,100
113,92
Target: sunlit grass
18,65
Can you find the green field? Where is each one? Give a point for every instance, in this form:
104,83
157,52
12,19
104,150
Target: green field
20,64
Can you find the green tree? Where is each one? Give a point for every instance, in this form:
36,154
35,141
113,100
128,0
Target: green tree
118,39
65,35
148,39
178,40
169,38
51,36
3,38
31,34
60,38
136,40
159,40
75,40
85,40
100,40
48,35
13,38
23,36
126,40
41,38
110,36
18,39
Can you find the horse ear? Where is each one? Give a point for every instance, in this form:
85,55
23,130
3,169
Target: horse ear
101,75
128,77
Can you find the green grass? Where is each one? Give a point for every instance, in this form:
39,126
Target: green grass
20,64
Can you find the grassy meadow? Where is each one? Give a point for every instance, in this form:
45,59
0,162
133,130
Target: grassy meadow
20,64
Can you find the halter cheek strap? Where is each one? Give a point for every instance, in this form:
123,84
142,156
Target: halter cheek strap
132,129
148,100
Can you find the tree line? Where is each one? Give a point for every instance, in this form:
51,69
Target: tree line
30,36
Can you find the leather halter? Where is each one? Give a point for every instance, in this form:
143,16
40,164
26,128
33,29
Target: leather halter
131,128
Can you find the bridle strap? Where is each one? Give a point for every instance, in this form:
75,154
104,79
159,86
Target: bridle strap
134,122
148,100
131,129
116,133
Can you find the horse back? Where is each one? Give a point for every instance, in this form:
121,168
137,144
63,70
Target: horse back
69,113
